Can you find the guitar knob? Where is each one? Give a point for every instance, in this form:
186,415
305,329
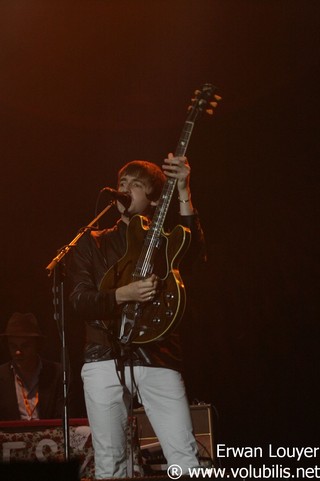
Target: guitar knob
169,313
156,303
169,295
156,320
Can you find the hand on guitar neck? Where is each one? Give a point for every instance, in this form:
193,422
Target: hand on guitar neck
179,168
143,290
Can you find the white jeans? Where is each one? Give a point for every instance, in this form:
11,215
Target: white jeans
162,393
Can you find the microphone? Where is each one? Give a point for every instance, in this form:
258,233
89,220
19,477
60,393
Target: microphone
122,197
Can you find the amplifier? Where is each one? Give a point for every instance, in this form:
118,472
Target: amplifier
201,415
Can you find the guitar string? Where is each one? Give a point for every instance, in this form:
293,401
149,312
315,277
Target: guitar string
146,254
167,195
180,151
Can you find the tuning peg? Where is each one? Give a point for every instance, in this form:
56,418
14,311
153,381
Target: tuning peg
209,111
217,97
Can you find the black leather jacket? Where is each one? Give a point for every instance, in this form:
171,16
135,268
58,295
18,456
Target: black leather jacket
94,254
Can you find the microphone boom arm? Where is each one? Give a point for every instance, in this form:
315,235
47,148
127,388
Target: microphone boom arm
64,250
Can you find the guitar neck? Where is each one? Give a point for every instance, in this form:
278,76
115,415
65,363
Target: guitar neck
184,139
144,265
170,184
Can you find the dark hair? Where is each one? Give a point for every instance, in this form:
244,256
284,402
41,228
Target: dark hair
145,170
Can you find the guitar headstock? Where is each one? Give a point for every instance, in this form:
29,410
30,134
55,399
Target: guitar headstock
205,100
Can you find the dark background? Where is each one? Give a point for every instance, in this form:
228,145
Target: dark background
86,86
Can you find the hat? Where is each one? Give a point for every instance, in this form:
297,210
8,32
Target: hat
22,325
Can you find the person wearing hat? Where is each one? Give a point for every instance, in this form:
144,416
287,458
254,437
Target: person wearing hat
31,387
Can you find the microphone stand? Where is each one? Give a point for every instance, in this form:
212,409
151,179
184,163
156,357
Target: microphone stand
59,316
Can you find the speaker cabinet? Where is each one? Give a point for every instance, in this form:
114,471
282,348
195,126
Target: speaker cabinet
201,415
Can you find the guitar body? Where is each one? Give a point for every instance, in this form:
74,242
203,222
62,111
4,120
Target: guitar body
146,322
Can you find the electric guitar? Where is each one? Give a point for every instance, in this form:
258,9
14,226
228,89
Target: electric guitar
151,250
